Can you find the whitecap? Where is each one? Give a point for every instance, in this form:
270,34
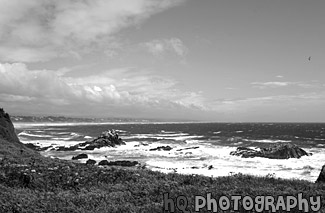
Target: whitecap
24,133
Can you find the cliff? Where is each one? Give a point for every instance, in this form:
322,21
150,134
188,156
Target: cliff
10,146
7,130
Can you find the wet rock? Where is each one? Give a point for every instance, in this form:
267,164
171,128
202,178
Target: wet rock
321,177
194,147
106,139
103,163
37,148
278,151
66,148
161,148
80,156
91,162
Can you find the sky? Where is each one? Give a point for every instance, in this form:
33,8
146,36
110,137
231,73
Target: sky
207,60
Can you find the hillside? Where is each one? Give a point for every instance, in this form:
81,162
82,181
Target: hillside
10,146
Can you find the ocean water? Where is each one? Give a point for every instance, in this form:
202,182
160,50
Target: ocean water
198,148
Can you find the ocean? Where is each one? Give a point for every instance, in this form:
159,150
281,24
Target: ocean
197,148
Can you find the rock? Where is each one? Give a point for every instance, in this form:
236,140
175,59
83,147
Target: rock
106,139
80,156
118,163
91,162
69,148
103,163
321,177
244,152
194,147
160,148
37,148
278,151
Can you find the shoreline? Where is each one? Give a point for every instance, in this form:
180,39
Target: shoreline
198,167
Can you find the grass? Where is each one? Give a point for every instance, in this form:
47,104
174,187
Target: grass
32,183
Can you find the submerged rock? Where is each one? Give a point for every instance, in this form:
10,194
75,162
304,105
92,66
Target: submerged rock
160,148
80,156
321,177
278,151
106,139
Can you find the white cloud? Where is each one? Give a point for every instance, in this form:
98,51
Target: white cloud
118,88
38,30
277,84
270,84
178,47
158,47
242,106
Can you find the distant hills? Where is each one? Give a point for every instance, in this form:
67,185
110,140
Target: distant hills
63,119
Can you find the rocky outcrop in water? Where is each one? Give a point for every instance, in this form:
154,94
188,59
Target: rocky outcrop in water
106,139
321,177
278,151
80,156
37,148
194,147
161,148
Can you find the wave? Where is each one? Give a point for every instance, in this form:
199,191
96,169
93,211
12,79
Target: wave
268,141
26,133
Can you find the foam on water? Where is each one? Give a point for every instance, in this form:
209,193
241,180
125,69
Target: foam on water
268,141
307,168
26,133
53,143
211,158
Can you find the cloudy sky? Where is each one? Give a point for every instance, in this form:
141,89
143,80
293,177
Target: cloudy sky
216,60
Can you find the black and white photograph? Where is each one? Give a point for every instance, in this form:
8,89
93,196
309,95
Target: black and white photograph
111,106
